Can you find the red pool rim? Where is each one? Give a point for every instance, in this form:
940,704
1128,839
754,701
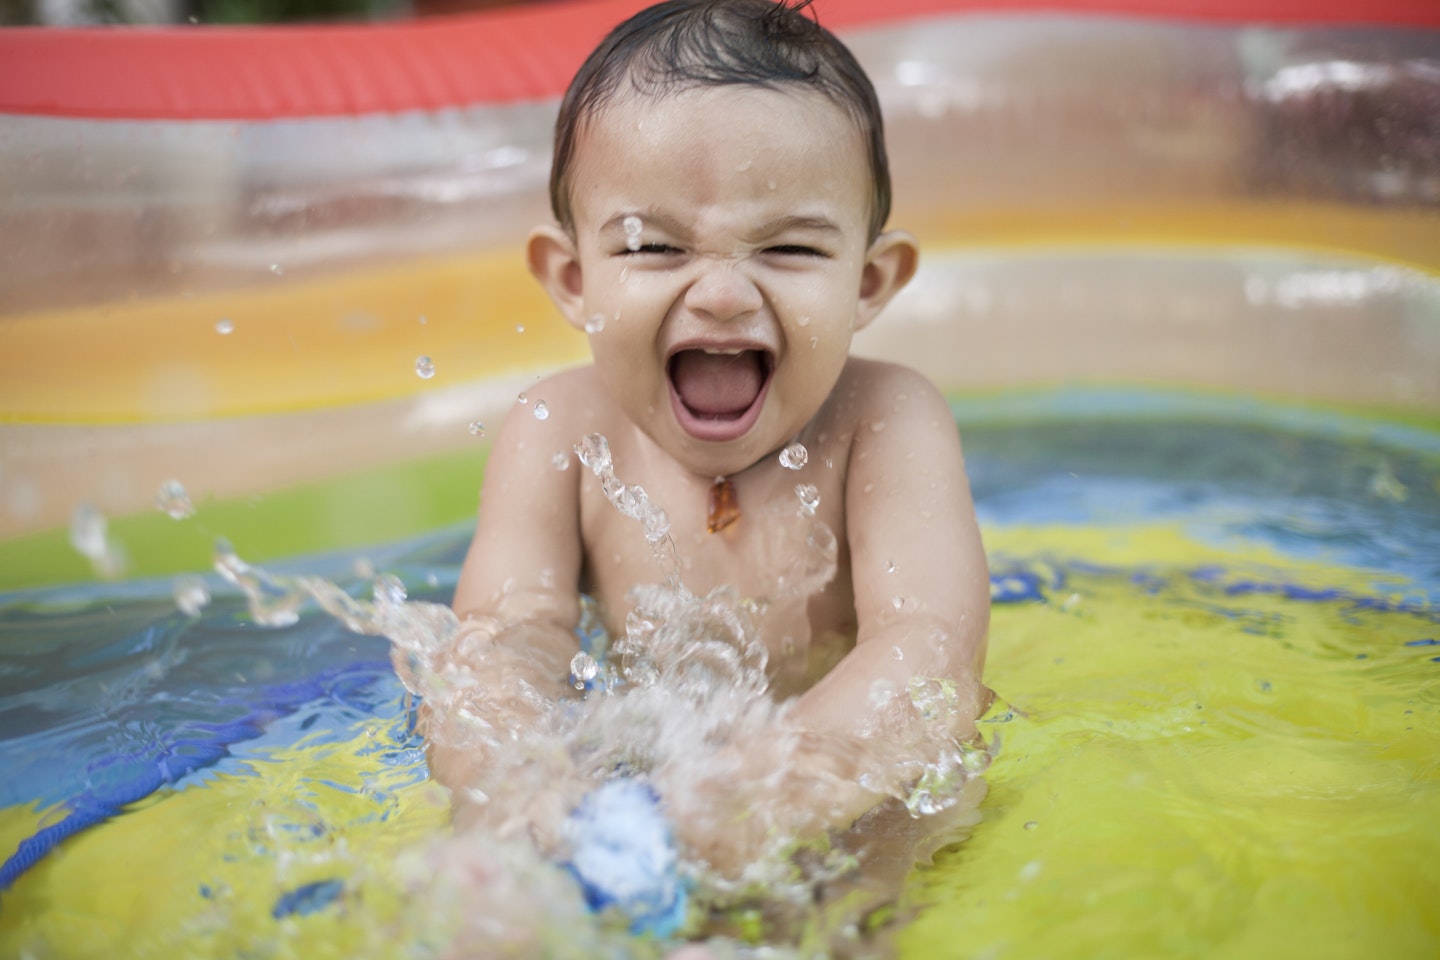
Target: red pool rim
498,56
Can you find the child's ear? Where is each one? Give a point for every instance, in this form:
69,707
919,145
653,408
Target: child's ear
889,264
553,260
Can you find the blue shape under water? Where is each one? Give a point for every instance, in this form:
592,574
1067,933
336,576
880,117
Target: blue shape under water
622,853
1365,498
307,899
171,755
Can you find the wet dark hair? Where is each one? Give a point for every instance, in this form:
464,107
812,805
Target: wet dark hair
683,44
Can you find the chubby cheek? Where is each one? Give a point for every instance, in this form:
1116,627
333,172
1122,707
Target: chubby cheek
628,366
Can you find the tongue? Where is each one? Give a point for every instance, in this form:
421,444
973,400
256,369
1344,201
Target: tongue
717,385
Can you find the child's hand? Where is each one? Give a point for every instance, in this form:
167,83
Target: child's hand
494,687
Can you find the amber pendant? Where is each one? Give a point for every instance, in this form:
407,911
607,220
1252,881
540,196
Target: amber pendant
723,509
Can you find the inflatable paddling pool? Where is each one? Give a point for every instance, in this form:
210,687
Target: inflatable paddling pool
1180,282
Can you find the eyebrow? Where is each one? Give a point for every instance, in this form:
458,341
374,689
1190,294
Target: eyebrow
665,222
817,224
797,222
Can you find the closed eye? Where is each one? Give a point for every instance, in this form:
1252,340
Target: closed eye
796,250
650,248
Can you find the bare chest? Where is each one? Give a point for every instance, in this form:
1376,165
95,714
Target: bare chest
783,559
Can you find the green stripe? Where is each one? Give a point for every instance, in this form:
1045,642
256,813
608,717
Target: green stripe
373,506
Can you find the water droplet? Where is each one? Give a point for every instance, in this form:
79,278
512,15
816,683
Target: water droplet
642,673
772,185
595,324
809,497
803,321
389,590
814,342
897,654
889,566
583,669
276,269
89,536
522,398
633,227
173,499
422,318
897,602
191,595
744,165
794,456
561,461
224,326
1031,824
519,328
424,367
877,425
477,429
542,412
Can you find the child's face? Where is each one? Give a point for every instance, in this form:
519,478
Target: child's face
720,264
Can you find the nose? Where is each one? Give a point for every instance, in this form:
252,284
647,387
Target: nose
723,291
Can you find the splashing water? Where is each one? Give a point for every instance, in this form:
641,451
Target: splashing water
809,497
633,228
191,595
89,535
172,499
679,702
476,428
795,456
631,501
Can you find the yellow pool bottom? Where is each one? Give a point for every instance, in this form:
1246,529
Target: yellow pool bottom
1187,774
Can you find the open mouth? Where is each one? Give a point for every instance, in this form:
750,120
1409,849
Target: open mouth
717,394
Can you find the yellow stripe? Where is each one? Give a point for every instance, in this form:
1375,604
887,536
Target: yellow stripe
295,345
1403,236
356,337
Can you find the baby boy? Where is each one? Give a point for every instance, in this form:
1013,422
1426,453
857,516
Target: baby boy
720,190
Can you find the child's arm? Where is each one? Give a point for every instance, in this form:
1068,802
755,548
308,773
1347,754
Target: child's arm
922,586
518,594
912,534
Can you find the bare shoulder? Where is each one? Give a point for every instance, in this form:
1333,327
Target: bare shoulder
560,407
883,395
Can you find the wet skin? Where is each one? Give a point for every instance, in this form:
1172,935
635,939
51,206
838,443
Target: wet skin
720,236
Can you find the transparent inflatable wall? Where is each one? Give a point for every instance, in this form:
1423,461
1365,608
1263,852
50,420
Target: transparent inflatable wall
224,288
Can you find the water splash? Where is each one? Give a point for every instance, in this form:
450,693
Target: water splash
809,498
476,428
631,501
273,601
191,595
679,700
172,499
794,456
89,535
633,227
